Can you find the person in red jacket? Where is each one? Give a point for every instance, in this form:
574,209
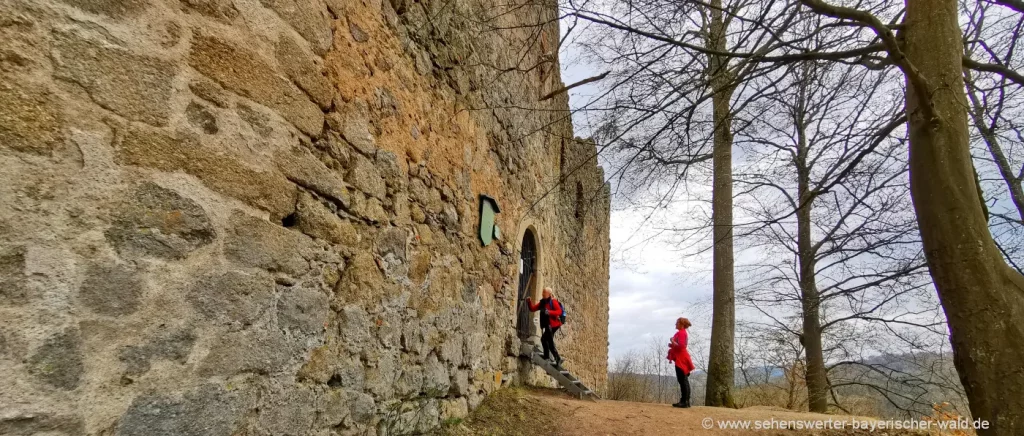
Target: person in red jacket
684,364
550,321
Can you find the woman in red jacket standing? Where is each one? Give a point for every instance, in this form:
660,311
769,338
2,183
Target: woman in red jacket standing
684,364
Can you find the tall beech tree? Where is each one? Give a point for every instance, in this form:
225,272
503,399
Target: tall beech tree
982,296
828,198
723,322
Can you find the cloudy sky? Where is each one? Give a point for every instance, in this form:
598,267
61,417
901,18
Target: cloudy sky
651,283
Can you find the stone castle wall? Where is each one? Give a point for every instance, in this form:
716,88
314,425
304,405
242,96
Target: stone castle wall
260,216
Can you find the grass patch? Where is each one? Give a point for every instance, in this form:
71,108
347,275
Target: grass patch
451,422
508,412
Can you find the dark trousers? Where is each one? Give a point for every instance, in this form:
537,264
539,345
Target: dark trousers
684,386
547,340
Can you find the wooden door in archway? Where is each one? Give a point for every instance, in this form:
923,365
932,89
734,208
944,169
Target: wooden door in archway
527,279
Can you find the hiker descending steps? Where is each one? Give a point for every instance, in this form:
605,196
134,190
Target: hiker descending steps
552,316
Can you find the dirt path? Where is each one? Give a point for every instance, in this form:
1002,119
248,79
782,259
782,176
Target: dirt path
541,412
626,418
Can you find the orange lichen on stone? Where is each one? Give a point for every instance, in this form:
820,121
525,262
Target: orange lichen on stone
429,126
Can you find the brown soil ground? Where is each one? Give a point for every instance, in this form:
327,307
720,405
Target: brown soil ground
535,412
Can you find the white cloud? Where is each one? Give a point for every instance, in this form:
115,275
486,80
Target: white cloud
649,291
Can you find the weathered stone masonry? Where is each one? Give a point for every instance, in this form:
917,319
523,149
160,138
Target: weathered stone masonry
260,217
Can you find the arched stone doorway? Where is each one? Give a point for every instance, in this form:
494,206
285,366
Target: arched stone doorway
528,278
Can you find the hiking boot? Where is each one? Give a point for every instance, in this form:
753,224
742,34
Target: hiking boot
679,405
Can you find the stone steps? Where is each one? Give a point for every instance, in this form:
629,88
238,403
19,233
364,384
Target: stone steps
568,382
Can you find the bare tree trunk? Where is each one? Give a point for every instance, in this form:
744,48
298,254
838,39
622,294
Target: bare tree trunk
983,297
817,383
723,324
791,389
